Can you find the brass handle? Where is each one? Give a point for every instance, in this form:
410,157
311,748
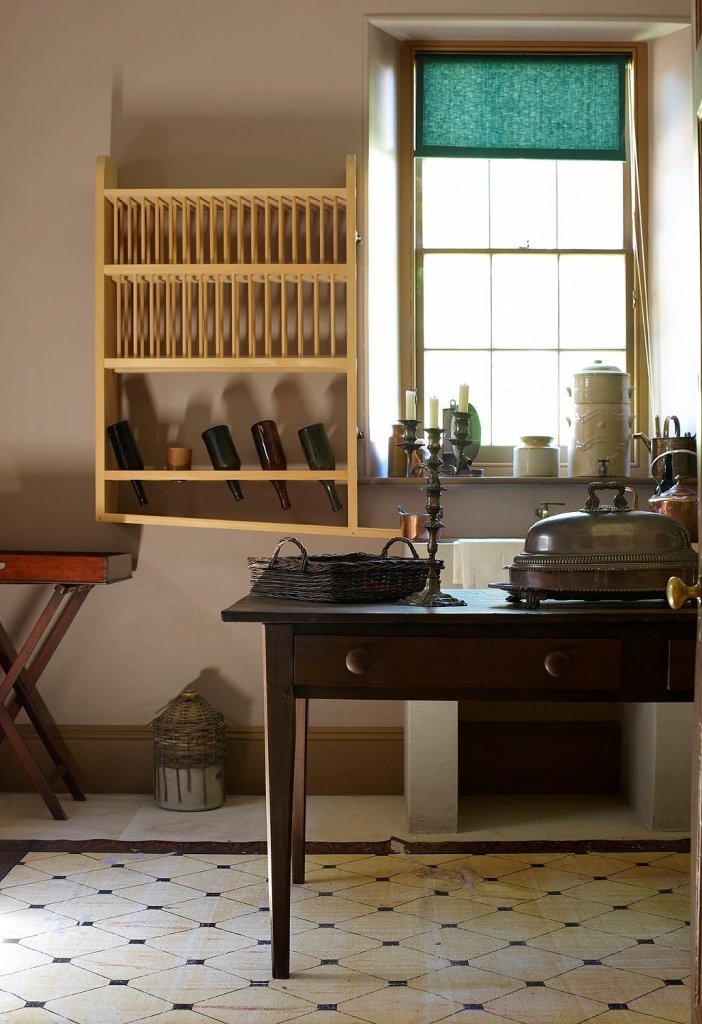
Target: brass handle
556,663
358,661
678,592
2,565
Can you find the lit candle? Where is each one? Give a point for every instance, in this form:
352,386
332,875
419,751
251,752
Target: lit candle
433,412
463,398
410,405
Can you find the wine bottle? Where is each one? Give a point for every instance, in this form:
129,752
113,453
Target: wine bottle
223,454
127,454
271,455
320,455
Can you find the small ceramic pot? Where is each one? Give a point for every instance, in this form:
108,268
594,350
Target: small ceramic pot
536,456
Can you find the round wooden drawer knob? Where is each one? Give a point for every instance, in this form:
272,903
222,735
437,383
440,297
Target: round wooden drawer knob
556,663
358,661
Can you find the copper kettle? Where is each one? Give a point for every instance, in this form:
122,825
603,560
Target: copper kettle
679,502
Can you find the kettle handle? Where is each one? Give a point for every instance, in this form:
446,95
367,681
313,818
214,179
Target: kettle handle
666,426
671,451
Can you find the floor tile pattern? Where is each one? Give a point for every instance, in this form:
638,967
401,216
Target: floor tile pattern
552,938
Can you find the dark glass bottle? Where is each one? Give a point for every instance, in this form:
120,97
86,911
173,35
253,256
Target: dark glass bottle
127,454
320,455
223,454
271,455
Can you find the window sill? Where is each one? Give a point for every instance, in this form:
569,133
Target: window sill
519,481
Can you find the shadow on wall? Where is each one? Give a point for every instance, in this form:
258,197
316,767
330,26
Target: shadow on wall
58,508
294,148
178,411
222,695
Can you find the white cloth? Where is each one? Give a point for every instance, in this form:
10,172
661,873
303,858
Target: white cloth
479,561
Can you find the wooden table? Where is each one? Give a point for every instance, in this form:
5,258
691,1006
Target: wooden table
490,649
73,575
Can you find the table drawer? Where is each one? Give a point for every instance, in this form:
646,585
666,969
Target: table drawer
681,664
489,664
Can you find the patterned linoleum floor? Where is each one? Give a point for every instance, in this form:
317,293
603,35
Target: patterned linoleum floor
549,938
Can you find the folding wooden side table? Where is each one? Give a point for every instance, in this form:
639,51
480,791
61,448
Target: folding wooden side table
73,575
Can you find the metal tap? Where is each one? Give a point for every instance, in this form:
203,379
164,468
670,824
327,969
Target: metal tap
542,511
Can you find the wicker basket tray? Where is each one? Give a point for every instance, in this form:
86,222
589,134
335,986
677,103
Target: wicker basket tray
338,579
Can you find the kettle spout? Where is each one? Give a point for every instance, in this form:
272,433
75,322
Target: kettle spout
642,437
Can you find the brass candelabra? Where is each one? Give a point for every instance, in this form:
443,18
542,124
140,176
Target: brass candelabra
431,596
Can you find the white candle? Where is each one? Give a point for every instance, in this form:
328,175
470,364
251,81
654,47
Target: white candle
410,405
433,412
463,398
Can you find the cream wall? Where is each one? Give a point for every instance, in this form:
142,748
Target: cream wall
673,224
178,92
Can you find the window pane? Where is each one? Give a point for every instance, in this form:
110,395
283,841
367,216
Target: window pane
573,362
523,204
590,204
525,395
455,204
456,301
593,309
445,371
525,301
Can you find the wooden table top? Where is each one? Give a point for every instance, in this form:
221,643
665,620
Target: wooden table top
69,567
483,607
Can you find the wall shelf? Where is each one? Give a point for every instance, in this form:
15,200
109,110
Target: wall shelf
218,476
232,282
226,365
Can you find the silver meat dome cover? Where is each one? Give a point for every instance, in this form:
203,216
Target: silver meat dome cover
602,551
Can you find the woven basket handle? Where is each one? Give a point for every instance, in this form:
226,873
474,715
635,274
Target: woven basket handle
293,540
403,540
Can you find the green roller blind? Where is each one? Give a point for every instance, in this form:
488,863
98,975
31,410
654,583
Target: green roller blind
548,106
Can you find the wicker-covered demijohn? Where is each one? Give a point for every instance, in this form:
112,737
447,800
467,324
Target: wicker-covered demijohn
189,743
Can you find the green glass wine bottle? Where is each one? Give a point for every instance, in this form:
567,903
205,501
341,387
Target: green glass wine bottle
320,455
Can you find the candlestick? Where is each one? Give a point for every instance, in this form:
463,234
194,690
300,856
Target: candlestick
432,596
462,439
433,412
410,443
463,398
410,405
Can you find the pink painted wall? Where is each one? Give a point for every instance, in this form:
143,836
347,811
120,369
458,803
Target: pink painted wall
213,93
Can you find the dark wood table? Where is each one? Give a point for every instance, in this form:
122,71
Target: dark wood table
489,649
73,575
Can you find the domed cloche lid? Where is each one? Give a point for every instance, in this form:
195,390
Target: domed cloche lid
606,532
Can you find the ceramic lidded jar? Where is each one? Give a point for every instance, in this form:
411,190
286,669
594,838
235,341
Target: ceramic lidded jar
536,456
601,421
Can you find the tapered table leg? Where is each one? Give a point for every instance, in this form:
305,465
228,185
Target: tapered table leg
299,808
279,728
